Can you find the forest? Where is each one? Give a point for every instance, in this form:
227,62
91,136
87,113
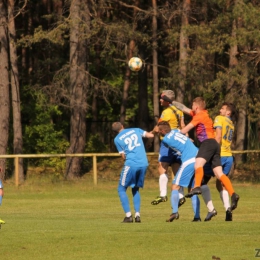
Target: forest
64,75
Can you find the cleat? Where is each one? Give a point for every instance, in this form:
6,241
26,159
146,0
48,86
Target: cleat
137,219
195,191
234,201
128,220
159,199
181,201
211,215
228,215
172,217
2,222
196,220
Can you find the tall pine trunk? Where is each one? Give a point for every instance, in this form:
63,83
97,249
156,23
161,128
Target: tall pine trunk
155,72
15,89
184,45
4,87
79,83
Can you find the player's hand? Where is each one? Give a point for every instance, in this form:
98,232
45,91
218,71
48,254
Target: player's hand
155,130
165,98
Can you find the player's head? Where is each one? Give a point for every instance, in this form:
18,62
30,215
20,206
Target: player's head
163,127
168,93
117,127
228,109
198,104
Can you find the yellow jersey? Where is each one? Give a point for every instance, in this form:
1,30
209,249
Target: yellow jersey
173,116
227,128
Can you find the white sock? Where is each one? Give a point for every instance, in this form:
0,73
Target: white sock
181,192
137,214
128,214
205,192
163,182
225,198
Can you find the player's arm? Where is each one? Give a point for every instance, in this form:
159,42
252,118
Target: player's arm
123,156
218,136
182,107
187,128
155,130
179,105
149,134
182,124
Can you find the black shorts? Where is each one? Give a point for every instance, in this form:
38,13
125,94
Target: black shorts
210,151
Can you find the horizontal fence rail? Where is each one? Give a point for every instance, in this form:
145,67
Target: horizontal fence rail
94,156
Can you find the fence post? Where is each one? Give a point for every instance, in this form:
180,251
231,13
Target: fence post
16,168
95,169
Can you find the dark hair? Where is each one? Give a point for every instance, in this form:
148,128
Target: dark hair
233,112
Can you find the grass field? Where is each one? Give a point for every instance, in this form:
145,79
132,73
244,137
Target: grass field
79,221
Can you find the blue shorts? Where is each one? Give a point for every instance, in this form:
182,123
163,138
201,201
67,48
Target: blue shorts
227,162
1,185
132,176
185,174
168,155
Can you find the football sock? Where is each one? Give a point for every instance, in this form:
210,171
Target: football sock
225,199
136,199
196,206
205,192
163,182
128,214
123,198
1,198
137,214
198,176
181,193
227,183
174,200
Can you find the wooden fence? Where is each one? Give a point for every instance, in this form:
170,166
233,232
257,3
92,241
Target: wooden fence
93,155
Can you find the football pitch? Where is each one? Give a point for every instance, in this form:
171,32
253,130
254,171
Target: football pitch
79,221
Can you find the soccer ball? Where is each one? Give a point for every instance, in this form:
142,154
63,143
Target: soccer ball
135,64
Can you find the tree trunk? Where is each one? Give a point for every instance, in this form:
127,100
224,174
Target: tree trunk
4,87
184,45
79,83
155,73
126,83
15,89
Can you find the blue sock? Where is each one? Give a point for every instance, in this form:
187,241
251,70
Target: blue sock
1,198
175,200
136,199
123,198
196,206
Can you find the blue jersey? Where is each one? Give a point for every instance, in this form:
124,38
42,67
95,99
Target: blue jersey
129,141
181,144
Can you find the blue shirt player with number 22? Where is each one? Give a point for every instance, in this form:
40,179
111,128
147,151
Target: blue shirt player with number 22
129,143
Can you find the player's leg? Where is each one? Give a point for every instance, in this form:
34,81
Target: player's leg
174,203
164,160
182,199
228,186
196,208
137,203
206,151
181,179
139,183
1,198
125,180
227,162
205,192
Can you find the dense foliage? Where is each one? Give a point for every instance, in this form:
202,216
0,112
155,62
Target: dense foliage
221,63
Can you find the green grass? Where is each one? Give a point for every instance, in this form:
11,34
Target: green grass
78,221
